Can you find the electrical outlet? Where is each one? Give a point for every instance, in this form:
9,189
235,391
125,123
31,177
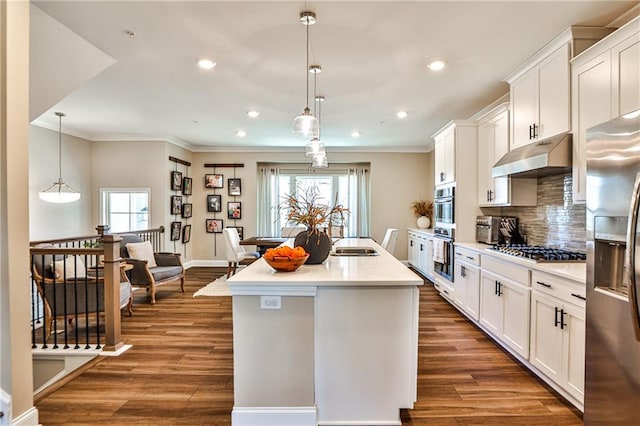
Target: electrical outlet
270,302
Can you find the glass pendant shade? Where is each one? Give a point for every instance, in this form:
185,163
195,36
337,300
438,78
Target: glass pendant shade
314,147
320,161
59,192
305,124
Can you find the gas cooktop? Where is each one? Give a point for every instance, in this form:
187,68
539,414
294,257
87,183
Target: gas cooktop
539,253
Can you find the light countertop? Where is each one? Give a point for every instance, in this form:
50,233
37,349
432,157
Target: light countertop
575,271
381,270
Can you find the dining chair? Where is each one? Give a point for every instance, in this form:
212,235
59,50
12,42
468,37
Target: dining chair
236,254
389,240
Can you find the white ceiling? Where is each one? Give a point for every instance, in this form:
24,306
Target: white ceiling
373,55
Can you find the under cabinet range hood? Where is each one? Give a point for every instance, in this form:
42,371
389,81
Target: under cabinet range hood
549,156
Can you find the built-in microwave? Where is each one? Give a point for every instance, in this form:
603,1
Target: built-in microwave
444,205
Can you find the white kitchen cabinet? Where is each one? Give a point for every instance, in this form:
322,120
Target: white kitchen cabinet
466,282
540,99
420,252
558,331
493,144
605,84
505,303
429,257
412,248
445,154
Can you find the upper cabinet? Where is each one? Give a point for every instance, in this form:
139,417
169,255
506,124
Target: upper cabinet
445,156
540,99
540,88
605,84
493,144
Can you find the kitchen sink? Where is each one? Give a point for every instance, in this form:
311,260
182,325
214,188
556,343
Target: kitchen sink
354,251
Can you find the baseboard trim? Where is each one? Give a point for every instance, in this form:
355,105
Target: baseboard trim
28,418
273,416
204,263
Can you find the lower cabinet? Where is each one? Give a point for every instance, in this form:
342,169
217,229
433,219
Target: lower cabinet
420,252
504,310
466,284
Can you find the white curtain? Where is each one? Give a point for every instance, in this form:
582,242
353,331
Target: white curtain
268,192
359,202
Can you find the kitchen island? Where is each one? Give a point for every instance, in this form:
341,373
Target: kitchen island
335,343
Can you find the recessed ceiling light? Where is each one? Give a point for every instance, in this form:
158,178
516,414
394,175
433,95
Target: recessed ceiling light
436,65
401,114
206,64
315,69
241,133
355,134
253,113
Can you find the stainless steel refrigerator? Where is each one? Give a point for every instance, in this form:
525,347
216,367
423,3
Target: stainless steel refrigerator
612,371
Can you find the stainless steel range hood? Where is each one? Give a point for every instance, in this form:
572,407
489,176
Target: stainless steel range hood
543,158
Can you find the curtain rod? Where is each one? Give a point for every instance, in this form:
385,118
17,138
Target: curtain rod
223,165
179,161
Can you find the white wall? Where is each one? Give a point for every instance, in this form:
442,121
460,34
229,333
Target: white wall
49,220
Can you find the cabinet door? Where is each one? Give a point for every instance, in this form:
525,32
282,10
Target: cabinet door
422,253
554,92
429,257
450,156
574,349
472,300
515,325
501,193
491,310
591,106
411,249
626,69
460,284
546,336
485,162
524,95
439,161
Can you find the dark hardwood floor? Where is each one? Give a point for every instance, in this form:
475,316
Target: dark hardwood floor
180,371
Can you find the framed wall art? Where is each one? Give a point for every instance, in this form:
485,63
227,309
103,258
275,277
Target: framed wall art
213,181
176,181
214,203
176,204
175,230
240,230
186,210
186,185
234,210
186,234
214,226
234,187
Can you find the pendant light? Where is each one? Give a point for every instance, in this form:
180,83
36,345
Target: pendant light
314,146
306,124
59,192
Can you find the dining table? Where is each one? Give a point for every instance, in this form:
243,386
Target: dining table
263,243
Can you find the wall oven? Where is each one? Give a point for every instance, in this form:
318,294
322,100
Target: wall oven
443,252
444,205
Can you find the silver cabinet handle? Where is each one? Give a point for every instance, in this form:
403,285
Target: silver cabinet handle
630,258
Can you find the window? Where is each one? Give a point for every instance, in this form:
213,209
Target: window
125,209
348,184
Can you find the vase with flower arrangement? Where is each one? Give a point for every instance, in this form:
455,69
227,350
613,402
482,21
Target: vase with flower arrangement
422,210
318,219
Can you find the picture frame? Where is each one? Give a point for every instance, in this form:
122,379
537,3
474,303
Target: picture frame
240,230
213,226
213,181
176,204
214,203
234,210
186,234
235,187
175,230
187,185
187,210
176,180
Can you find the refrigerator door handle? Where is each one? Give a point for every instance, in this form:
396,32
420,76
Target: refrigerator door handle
630,261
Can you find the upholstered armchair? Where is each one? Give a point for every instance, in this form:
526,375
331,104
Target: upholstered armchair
69,289
150,269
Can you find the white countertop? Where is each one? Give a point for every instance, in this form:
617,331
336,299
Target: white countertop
575,271
381,270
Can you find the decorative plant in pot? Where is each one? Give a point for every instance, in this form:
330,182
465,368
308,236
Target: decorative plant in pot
306,209
423,210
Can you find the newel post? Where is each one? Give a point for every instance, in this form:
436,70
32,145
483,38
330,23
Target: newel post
113,338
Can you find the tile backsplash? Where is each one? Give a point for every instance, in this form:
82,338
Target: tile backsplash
555,222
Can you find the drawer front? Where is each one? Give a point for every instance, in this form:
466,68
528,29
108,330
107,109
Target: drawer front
565,290
517,273
466,255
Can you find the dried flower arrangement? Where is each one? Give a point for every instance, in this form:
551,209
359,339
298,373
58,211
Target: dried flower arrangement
305,209
422,208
